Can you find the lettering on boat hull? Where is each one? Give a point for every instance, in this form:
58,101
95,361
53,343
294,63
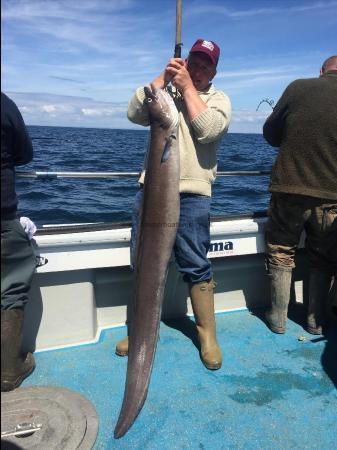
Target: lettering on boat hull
221,248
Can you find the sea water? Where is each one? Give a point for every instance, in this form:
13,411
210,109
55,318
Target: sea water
59,201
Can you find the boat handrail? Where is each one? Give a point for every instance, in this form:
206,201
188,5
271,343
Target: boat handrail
52,175
108,226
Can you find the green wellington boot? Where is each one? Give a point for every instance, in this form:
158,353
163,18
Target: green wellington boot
122,347
334,297
202,299
280,282
319,287
15,366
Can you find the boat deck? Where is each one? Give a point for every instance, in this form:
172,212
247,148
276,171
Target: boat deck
273,391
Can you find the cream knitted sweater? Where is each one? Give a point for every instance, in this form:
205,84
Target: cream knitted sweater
198,139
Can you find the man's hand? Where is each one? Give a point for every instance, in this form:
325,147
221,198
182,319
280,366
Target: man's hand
176,72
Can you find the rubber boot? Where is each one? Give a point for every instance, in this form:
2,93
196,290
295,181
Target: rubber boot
15,366
319,287
334,297
122,347
202,299
280,283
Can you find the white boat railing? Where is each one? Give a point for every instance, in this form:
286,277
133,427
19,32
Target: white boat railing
46,175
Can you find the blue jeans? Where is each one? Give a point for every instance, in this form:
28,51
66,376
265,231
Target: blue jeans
192,240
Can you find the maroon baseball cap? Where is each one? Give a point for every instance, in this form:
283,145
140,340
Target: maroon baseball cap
209,48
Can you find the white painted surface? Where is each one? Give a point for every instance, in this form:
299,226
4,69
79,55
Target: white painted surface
87,282
110,248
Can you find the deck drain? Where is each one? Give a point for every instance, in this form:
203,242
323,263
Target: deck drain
47,418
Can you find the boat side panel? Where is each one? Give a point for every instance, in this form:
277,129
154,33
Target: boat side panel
71,308
87,282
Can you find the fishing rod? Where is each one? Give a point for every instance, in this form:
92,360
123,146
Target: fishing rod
266,100
107,175
178,43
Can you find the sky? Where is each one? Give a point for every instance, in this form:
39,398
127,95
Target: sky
77,63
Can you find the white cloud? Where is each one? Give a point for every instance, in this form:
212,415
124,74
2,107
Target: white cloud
217,8
26,10
48,108
105,49
260,71
58,110
102,26
247,121
249,116
99,111
90,112
61,110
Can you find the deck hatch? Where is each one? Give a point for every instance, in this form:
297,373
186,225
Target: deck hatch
62,418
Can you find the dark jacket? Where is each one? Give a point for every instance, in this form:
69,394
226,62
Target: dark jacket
16,150
304,126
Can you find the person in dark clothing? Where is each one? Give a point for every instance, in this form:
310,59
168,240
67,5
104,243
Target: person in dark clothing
17,255
304,194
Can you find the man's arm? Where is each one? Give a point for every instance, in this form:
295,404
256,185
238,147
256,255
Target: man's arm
23,148
14,134
177,68
212,123
209,120
274,125
137,109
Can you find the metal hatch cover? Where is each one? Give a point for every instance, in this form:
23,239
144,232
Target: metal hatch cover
43,417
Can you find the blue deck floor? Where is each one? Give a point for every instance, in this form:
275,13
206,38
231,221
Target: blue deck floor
273,391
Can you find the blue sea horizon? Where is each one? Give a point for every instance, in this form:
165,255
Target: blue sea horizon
60,201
